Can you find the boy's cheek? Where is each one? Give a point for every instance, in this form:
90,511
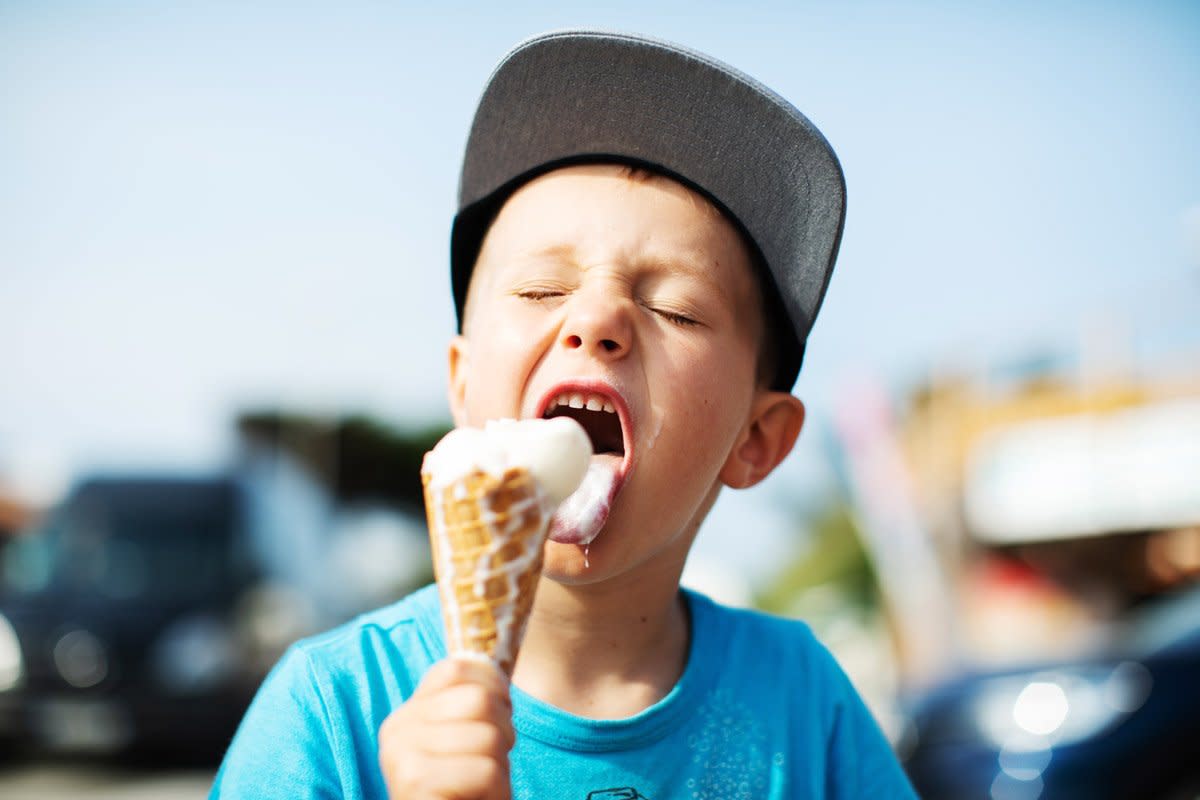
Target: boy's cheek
481,382
490,385
721,402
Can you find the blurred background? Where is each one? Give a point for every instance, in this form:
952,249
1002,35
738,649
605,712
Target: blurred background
223,308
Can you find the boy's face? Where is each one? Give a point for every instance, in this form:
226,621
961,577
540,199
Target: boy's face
635,294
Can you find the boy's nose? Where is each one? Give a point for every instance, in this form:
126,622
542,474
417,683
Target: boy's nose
599,326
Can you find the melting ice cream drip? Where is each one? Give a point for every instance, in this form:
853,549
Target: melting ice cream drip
581,516
509,629
497,559
513,519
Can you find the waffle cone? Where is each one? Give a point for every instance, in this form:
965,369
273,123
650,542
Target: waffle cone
486,534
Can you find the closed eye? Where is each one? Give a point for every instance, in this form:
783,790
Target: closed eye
536,293
675,317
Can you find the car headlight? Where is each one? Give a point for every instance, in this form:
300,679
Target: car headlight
1059,707
12,668
194,655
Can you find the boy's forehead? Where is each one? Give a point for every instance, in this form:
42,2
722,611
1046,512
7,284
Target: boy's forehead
556,220
569,209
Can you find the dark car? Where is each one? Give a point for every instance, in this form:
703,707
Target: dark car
118,619
1122,725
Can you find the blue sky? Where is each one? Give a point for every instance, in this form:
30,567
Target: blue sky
208,205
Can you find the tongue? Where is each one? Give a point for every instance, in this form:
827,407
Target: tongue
582,515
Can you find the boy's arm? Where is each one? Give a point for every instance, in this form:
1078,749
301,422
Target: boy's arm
282,748
861,763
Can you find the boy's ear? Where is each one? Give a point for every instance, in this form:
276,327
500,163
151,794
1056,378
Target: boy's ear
456,388
774,424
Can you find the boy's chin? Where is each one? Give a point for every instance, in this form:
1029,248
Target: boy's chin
570,565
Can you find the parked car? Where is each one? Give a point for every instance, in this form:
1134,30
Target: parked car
1123,724
122,619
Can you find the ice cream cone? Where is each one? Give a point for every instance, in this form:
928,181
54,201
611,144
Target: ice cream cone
487,533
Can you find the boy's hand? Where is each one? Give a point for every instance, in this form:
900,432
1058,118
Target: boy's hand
450,740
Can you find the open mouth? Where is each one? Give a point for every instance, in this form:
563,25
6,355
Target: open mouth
596,414
601,412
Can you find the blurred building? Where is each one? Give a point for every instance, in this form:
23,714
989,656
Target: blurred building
1052,504
338,503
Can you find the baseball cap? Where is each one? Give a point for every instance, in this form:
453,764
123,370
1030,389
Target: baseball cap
581,96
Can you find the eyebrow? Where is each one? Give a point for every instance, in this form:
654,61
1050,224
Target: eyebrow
562,252
689,268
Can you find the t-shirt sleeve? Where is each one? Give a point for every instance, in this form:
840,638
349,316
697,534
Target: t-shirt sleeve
283,747
861,762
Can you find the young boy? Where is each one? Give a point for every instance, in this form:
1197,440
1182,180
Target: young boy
643,240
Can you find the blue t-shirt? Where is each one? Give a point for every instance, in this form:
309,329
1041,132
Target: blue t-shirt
761,711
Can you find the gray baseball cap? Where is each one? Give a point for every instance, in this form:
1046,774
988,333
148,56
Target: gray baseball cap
586,96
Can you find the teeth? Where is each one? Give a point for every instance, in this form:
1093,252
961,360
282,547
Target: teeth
592,402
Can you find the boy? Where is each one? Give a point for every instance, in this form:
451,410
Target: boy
643,241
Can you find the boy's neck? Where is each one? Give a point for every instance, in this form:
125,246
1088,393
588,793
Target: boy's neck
605,651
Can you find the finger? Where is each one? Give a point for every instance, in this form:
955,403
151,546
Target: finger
466,702
453,671
469,738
